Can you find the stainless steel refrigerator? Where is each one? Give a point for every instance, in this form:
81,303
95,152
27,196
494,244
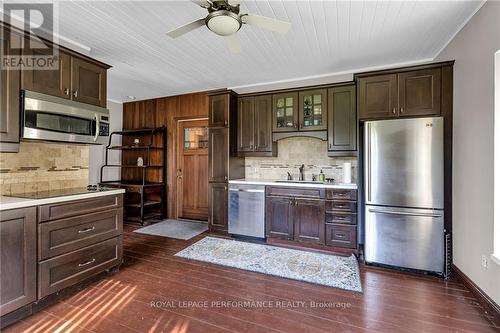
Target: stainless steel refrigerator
403,178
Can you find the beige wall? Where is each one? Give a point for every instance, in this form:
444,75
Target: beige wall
292,153
41,166
473,49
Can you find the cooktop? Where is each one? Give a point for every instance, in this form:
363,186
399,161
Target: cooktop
60,192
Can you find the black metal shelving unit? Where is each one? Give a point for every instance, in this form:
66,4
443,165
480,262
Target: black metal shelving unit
139,208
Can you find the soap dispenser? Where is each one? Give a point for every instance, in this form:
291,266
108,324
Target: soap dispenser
321,176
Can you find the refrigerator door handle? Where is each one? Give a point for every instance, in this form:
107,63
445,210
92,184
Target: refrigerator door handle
368,170
371,210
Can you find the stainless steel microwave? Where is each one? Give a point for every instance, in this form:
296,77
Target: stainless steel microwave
50,118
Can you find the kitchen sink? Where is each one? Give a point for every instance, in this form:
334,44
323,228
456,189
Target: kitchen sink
300,181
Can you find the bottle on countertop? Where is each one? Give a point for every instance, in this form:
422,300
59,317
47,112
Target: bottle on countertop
321,176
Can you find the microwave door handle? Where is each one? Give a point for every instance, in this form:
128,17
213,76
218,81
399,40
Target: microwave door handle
96,117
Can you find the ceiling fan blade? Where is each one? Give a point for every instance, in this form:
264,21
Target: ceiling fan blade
203,3
266,23
183,29
233,43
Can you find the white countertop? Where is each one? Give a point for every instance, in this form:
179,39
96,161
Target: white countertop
247,181
12,202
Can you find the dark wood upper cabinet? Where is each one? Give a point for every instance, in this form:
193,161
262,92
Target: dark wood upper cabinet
263,124
217,203
218,153
279,218
312,110
342,119
88,82
77,78
219,110
420,92
378,96
255,126
10,86
404,94
285,115
246,124
309,220
18,261
54,82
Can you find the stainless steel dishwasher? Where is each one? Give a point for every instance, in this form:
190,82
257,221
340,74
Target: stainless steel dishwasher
247,210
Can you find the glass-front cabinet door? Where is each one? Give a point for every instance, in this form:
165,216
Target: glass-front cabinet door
312,110
285,117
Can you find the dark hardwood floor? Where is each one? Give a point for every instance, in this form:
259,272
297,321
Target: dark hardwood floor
131,300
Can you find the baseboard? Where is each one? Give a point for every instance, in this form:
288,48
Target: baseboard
492,309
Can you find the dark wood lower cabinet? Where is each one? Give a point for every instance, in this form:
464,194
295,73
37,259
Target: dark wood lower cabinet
309,220
341,235
279,221
76,240
17,258
296,218
312,217
70,268
217,203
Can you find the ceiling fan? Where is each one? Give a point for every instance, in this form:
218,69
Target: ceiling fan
224,19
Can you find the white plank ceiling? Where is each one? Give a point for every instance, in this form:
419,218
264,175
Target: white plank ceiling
326,37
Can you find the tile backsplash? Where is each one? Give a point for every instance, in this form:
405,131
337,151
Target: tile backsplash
40,166
292,153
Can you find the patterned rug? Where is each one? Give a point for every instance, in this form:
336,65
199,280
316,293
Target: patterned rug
324,269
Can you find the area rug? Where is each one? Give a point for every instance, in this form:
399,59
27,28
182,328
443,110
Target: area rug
324,269
174,229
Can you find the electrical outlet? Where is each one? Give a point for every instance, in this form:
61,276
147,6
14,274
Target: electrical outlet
485,261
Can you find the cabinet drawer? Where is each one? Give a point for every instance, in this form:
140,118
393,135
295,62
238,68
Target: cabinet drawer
338,217
348,206
341,235
295,192
71,268
79,207
65,235
341,194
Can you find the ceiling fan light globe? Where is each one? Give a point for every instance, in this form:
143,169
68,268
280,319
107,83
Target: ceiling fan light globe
223,23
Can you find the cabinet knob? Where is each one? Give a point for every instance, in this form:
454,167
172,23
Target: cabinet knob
225,177
294,125
394,110
401,110
225,122
75,93
66,92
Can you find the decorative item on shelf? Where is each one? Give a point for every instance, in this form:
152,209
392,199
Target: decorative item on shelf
136,141
140,161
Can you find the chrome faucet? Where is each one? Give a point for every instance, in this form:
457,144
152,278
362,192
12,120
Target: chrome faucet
301,173
289,176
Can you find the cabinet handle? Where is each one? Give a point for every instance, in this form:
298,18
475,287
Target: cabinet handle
75,94
86,230
330,145
225,177
341,236
66,92
86,263
225,122
394,110
291,202
401,110
225,188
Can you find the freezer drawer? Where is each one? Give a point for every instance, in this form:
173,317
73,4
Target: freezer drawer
247,210
404,237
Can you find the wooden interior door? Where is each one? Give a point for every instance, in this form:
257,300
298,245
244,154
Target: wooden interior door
192,169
